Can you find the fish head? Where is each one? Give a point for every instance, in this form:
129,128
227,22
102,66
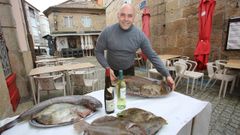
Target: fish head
91,103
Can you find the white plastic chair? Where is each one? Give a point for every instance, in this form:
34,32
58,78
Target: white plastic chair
214,73
152,70
183,72
86,80
138,58
49,83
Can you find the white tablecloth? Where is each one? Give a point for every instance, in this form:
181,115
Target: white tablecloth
184,115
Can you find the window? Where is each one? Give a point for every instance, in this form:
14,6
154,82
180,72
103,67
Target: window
86,21
4,56
31,12
68,21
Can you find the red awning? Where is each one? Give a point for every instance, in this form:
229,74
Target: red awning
145,26
202,50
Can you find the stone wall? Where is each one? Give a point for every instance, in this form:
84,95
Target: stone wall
174,25
97,20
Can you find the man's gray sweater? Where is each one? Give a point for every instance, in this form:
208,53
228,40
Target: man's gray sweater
121,46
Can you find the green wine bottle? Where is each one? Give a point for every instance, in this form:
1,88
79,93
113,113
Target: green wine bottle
121,91
108,94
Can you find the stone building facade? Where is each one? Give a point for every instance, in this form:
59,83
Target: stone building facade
174,25
76,24
14,35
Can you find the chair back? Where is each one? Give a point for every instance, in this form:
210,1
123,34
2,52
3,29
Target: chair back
211,69
47,82
77,79
220,64
192,65
180,68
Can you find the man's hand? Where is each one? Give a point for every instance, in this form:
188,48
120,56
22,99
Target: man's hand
112,75
170,82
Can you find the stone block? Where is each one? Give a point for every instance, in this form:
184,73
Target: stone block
6,13
217,22
184,3
172,5
187,40
173,15
177,27
190,11
5,1
192,24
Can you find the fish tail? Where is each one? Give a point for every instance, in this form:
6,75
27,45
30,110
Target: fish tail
81,126
9,125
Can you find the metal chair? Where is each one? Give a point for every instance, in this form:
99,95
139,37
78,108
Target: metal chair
49,83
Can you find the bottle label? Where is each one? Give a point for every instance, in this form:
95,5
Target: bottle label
123,93
110,89
109,105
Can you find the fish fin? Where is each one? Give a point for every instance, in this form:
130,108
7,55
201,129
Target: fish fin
81,125
9,124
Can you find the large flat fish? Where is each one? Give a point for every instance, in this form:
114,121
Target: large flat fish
150,122
109,125
60,114
146,87
87,101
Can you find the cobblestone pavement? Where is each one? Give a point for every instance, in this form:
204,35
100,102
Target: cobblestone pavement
225,118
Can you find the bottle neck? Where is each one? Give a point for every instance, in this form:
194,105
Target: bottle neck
107,78
120,75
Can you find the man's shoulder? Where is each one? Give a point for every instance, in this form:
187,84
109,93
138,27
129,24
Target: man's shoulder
113,26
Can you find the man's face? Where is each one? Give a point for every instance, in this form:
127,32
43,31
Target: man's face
126,17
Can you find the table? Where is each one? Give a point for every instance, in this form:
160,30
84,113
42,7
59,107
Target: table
185,115
54,60
233,63
168,56
59,68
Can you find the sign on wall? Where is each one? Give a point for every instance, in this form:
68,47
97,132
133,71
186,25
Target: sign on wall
233,35
142,5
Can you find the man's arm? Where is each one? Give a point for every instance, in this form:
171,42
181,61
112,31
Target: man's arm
99,52
100,47
158,64
154,58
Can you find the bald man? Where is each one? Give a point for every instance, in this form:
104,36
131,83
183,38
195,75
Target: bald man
122,40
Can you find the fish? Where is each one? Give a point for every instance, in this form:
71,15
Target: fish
61,113
146,87
87,101
150,122
109,125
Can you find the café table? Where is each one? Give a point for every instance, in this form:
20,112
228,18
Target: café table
184,115
233,63
169,56
53,60
58,68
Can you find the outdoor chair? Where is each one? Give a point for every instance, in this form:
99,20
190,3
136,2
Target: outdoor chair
49,83
214,73
84,81
182,71
139,59
151,71
221,68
